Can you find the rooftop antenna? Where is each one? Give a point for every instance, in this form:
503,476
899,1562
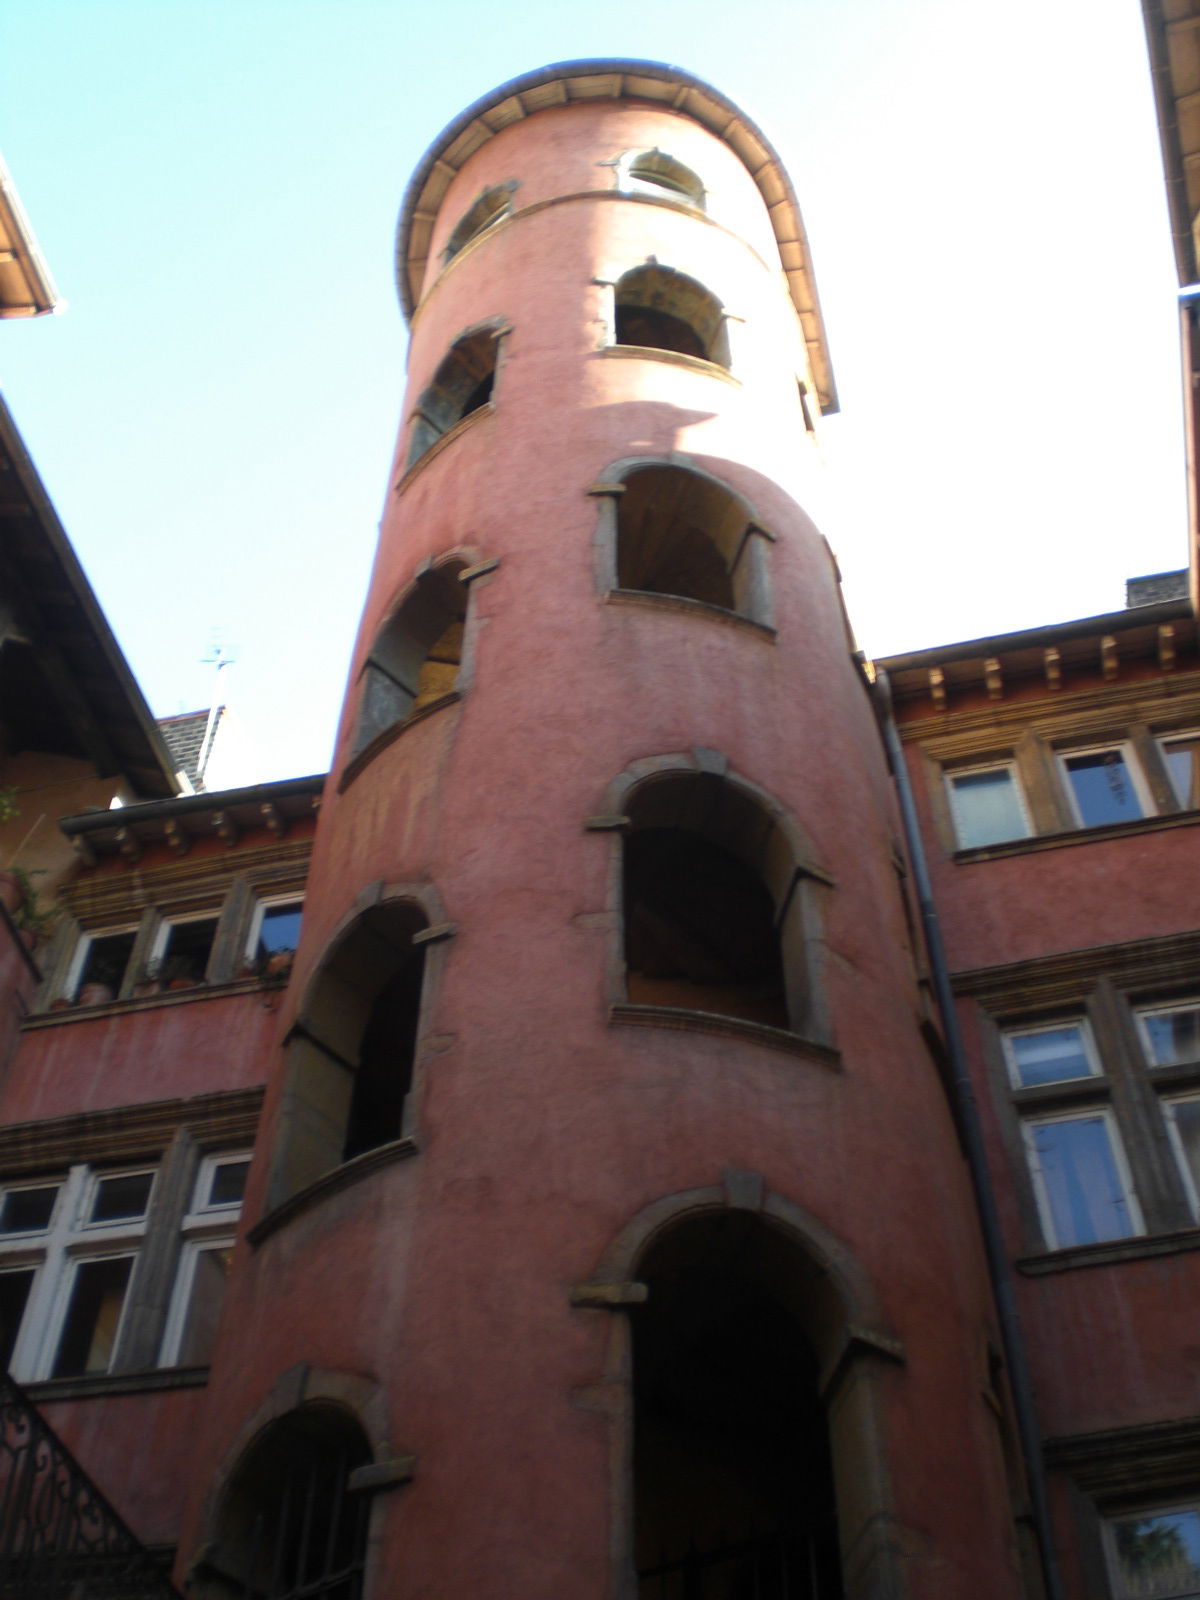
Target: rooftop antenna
220,658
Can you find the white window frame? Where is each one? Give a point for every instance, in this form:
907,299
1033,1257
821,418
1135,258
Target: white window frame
1096,1069
1163,740
1041,1195
1009,766
162,934
205,1227
261,907
1140,1013
1132,766
83,947
57,1252
1168,1104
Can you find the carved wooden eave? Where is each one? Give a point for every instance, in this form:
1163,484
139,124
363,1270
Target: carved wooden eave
1124,646
231,816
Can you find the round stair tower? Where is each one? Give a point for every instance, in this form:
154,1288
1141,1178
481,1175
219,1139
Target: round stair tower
606,1180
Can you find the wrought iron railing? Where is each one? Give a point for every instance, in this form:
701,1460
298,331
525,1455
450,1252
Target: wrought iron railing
767,1567
59,1537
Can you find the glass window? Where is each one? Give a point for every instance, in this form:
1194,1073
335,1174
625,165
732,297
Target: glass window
1053,1054
1181,755
1182,1115
14,1292
89,1333
182,949
103,958
68,1251
276,927
1103,786
28,1210
226,1184
1155,1555
1170,1034
199,1295
203,1297
987,806
120,1198
1083,1193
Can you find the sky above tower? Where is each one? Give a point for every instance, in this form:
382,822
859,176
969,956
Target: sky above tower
215,185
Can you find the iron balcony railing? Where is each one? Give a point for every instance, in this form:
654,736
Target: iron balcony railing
59,1537
765,1567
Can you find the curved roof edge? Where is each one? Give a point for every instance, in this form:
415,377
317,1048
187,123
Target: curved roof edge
573,82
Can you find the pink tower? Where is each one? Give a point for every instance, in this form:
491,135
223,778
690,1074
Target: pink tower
610,1233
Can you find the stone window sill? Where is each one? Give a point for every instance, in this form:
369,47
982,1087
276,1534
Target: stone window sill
98,1385
331,1183
675,1017
673,358
680,602
1110,1253
1056,841
463,424
389,735
149,1002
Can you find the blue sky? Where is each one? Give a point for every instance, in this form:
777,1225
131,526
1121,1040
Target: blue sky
215,186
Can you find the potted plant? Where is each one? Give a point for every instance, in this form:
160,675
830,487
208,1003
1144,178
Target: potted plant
34,921
179,972
277,967
149,980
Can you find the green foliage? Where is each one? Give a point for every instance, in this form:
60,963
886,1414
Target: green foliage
30,914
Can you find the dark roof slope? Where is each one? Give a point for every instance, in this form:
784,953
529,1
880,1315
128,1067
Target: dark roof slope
67,688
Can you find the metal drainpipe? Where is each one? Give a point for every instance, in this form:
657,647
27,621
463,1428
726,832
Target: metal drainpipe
1020,1382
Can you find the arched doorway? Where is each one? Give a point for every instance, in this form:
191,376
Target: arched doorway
733,1480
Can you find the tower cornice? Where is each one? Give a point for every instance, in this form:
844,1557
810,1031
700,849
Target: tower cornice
589,82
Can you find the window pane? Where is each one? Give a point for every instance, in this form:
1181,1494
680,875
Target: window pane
1172,1034
1182,757
1083,1190
987,807
120,1198
1185,1118
1050,1055
28,1210
106,959
1158,1556
90,1331
14,1291
1103,788
204,1306
280,929
188,947
228,1185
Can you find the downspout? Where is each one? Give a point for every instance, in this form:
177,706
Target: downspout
967,1111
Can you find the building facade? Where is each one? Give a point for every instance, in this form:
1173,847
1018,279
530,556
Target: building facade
724,1121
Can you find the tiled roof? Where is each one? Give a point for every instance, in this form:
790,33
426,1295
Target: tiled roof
185,740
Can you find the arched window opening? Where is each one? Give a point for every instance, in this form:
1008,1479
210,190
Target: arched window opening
701,923
492,206
655,172
416,658
352,1052
462,384
289,1526
385,1060
660,309
733,1480
681,534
